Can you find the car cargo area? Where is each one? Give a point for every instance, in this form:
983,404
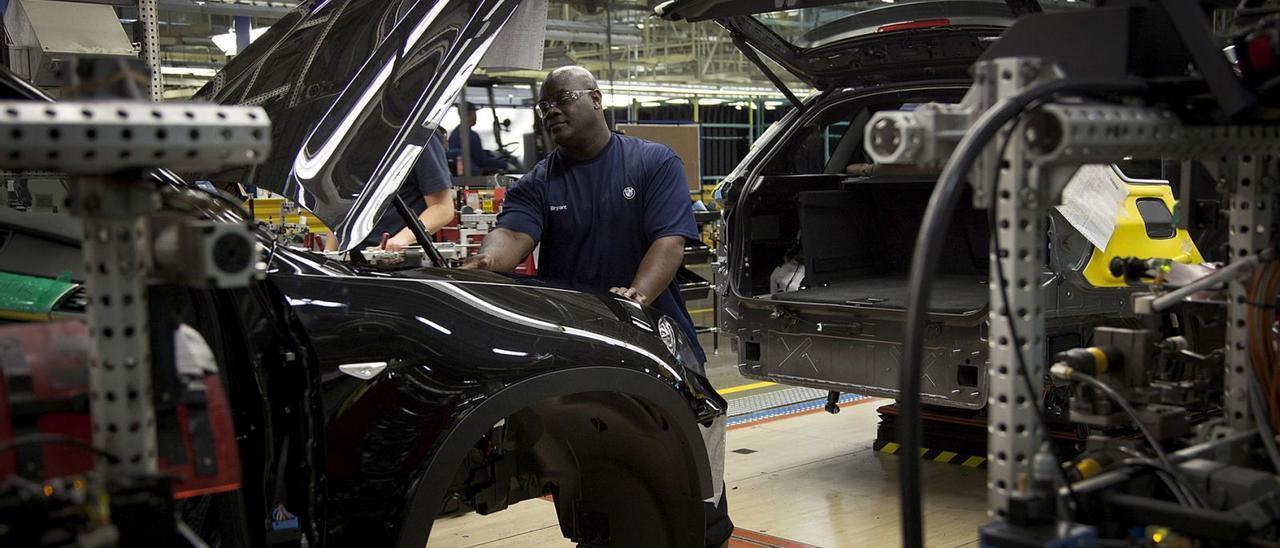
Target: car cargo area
853,238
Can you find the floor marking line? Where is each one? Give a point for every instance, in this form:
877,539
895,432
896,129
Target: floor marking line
745,387
746,537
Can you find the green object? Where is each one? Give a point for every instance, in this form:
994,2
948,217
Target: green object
30,297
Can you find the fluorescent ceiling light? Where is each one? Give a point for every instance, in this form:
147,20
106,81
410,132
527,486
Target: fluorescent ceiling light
227,41
190,71
650,104
710,101
678,90
678,101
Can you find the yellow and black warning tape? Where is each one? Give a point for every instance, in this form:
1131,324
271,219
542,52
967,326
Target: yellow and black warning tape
935,455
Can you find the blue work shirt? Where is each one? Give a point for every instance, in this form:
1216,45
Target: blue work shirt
430,174
481,159
597,218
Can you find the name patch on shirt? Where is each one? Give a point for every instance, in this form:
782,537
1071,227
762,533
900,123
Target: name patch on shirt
558,207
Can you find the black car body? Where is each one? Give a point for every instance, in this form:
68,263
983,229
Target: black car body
369,401
795,202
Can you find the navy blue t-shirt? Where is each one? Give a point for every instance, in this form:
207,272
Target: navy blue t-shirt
430,174
597,218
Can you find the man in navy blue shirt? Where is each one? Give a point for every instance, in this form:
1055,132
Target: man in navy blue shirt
481,160
427,190
611,212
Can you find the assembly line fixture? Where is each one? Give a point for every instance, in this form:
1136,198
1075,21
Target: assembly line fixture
1027,168
108,147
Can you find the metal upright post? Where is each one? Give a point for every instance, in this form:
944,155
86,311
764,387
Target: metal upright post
1252,200
244,32
464,133
117,252
149,19
1013,433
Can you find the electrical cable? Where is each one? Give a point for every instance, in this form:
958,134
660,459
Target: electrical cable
924,266
1180,491
1119,400
31,439
1258,406
1183,491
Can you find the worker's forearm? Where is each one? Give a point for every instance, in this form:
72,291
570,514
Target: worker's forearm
433,219
659,266
505,249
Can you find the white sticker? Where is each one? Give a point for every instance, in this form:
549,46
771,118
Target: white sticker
1091,202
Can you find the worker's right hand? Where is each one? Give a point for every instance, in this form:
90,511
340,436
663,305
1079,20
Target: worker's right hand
477,262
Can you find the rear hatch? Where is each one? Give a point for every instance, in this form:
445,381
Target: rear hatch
354,89
841,43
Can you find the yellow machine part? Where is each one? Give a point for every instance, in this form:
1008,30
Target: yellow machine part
269,210
1130,239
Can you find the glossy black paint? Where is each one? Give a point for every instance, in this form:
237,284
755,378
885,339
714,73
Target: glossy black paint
372,460
354,88
583,377
452,341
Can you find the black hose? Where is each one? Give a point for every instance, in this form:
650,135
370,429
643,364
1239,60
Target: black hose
57,439
924,266
1119,400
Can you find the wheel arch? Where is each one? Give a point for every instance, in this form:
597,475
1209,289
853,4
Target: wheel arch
427,492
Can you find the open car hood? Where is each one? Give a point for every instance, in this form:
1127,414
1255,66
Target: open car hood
354,88
869,42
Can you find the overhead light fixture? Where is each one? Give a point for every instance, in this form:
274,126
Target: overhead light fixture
684,90
227,40
711,101
678,101
188,71
650,104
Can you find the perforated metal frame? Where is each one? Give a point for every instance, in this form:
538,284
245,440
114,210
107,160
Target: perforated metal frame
1043,153
106,137
106,145
149,17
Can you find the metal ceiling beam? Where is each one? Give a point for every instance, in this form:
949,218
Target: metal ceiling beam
275,9
214,7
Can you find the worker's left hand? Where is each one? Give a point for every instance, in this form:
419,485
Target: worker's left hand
631,293
398,243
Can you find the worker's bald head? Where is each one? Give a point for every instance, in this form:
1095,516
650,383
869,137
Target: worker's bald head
573,109
570,77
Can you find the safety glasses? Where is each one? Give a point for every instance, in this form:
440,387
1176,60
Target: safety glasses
560,100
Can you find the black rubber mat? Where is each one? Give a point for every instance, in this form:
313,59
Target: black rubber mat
953,294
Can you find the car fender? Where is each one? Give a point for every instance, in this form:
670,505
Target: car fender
428,489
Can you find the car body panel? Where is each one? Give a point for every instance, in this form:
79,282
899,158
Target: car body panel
354,88
460,345
583,376
857,347
865,48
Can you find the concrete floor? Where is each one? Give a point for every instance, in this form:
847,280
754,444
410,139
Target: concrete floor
810,479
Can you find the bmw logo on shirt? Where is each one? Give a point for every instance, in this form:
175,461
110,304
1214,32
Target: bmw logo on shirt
629,193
